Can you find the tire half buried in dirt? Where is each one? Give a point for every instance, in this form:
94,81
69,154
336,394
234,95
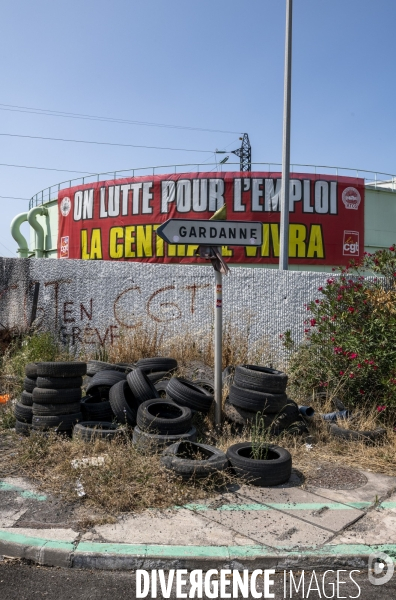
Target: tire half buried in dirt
152,442
371,435
191,460
275,469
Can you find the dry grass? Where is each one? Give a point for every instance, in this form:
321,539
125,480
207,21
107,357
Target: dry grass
131,481
128,481
148,340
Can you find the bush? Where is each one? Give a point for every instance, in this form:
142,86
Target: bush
350,335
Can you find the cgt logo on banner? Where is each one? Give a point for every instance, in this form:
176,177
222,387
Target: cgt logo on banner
118,219
351,243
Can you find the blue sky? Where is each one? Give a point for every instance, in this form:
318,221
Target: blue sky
214,64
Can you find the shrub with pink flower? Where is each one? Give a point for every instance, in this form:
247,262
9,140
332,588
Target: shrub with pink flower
354,323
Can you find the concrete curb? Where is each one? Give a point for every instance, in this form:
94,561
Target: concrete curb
108,556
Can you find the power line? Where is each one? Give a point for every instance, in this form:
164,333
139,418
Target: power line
14,198
39,137
46,169
12,253
57,113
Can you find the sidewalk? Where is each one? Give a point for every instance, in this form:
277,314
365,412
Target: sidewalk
282,527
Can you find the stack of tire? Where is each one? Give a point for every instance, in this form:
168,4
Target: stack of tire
57,396
161,423
256,389
23,409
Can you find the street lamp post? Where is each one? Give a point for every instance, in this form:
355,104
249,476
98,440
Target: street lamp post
285,190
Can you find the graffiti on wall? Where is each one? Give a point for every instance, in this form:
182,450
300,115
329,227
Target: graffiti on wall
78,322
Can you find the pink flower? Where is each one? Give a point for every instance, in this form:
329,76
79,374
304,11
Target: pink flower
339,297
381,408
361,391
330,281
338,350
392,248
351,375
313,322
320,289
351,309
342,372
353,355
316,301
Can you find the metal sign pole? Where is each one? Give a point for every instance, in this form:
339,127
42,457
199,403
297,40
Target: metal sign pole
218,343
285,190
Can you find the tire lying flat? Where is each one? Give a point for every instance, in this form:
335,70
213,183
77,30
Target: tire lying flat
371,435
179,458
23,428
88,430
254,377
163,417
29,383
151,442
59,422
264,473
159,363
23,414
54,410
59,383
65,396
257,401
61,369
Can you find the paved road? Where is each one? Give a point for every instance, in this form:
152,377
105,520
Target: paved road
29,582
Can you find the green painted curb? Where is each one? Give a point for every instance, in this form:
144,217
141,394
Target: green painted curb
199,552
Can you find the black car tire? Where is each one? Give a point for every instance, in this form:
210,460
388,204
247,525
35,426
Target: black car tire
47,396
257,401
88,430
152,365
152,442
142,388
163,417
59,383
261,379
61,369
123,403
266,473
185,393
179,458
23,413
59,422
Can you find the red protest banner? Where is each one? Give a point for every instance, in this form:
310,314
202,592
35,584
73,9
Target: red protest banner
117,219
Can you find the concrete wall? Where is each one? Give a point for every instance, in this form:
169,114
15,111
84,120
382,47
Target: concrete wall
88,303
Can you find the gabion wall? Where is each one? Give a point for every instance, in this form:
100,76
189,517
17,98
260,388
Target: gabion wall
88,303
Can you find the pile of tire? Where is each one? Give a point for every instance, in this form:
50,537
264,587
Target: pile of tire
56,395
262,390
23,410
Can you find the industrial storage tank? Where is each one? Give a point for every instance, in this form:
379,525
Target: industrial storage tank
335,214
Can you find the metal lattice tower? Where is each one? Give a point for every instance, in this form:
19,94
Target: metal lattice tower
245,153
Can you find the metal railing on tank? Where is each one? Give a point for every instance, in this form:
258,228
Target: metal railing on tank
372,178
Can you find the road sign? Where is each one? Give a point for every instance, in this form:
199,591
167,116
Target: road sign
211,233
